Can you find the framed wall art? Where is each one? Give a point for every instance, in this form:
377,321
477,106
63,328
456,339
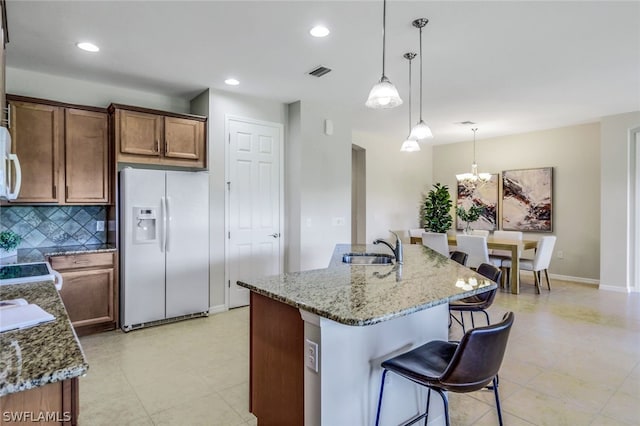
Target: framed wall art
481,194
527,197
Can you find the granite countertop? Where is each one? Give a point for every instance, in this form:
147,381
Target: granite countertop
40,254
367,294
42,354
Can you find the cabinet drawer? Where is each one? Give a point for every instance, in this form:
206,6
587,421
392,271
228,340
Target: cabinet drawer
75,261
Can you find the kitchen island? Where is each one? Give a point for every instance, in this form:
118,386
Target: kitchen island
318,337
40,365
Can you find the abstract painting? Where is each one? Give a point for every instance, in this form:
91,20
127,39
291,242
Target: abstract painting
527,199
481,194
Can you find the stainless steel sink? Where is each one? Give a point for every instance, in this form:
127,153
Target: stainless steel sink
368,258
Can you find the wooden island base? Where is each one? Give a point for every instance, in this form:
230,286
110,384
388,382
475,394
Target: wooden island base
52,404
276,363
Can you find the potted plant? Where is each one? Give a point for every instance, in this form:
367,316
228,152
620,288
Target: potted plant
436,209
9,242
468,216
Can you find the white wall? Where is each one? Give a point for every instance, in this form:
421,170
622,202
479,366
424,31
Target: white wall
615,234
69,90
574,153
318,176
396,182
221,104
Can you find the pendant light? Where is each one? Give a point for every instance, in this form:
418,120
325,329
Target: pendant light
474,175
421,130
384,94
411,144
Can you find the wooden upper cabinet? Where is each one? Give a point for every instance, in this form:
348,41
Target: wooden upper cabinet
148,136
183,138
139,133
63,151
36,133
87,156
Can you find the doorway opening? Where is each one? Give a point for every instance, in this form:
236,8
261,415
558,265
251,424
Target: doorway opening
358,195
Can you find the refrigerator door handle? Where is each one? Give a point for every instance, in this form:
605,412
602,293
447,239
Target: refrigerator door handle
168,225
163,234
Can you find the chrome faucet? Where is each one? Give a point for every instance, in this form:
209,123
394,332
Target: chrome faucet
397,250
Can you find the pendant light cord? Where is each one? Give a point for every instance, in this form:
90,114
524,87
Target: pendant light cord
474,144
420,74
410,96
384,24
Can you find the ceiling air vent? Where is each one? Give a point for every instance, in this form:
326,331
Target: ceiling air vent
319,71
466,123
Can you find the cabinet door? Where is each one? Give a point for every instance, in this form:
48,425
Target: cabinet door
36,133
87,157
140,133
88,296
183,138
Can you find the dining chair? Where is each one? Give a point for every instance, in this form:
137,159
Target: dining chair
436,241
415,235
462,367
460,257
479,302
506,235
540,262
476,247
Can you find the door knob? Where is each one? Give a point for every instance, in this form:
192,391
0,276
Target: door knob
274,235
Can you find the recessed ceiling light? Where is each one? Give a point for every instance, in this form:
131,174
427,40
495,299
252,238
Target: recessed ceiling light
89,47
319,31
232,82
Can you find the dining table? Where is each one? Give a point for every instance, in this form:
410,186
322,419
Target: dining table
511,245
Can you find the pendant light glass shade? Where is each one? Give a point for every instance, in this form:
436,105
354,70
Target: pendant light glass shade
421,131
474,176
383,94
410,145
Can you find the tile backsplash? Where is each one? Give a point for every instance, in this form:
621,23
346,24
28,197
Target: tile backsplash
49,226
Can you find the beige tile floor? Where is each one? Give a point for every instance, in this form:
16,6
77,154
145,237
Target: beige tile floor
573,359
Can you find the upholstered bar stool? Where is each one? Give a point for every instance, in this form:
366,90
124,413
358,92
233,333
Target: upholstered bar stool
461,367
478,303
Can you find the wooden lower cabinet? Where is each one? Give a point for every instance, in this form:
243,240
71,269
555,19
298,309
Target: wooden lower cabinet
89,290
52,404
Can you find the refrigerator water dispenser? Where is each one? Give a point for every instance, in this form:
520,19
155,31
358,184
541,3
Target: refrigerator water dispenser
145,230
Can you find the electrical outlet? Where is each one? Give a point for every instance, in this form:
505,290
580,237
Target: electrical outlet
311,355
100,225
560,254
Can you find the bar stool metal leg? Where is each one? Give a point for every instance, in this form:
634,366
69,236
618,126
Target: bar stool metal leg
384,374
495,392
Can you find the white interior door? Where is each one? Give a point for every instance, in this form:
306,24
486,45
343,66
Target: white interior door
254,200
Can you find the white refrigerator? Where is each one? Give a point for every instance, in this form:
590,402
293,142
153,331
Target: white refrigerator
164,241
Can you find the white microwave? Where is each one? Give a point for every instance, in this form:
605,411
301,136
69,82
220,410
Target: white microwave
9,182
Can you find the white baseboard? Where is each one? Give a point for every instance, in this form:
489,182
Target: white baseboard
615,288
218,309
575,279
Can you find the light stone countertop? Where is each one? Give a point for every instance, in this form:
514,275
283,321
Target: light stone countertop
30,255
367,294
42,354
